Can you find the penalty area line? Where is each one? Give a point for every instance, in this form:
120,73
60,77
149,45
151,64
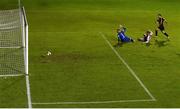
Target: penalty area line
152,99
93,102
128,67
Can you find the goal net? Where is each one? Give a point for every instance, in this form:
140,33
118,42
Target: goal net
13,42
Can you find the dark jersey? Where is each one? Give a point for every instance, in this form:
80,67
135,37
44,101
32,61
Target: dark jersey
161,21
146,37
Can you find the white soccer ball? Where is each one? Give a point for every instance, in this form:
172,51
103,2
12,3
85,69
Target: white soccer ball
49,53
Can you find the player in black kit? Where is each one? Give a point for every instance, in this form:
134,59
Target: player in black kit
160,23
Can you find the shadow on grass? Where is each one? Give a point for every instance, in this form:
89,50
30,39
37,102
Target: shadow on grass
120,44
161,43
148,44
178,54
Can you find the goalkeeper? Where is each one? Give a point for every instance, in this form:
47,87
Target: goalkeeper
121,35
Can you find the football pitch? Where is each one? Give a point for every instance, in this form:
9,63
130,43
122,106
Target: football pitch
87,68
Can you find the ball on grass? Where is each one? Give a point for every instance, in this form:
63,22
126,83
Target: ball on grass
49,53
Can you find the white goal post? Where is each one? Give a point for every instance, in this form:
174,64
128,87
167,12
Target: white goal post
24,26
13,42
25,38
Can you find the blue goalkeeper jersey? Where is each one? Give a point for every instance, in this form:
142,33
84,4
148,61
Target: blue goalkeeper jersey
123,37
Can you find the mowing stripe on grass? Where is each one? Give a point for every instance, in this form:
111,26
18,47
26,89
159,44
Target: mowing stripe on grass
93,102
92,11
129,68
60,32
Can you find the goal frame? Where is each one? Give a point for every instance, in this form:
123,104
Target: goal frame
25,35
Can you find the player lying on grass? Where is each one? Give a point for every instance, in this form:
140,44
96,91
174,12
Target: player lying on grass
147,37
160,25
121,35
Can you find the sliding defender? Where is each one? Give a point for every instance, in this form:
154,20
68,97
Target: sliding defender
147,37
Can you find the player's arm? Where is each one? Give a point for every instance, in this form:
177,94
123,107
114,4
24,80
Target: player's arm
156,22
124,29
165,20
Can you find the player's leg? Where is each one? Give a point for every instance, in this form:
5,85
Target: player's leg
156,32
127,39
119,40
163,31
141,39
131,40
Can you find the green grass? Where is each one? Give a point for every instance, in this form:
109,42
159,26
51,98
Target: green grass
83,67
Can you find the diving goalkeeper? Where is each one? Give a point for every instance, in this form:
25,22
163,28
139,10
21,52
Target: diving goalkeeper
121,35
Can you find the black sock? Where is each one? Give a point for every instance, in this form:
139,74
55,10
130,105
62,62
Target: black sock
166,34
156,32
132,40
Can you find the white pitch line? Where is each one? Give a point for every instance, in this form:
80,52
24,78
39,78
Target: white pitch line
12,75
28,92
93,102
10,47
129,68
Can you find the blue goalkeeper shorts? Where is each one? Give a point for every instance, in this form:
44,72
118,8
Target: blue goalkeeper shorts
124,39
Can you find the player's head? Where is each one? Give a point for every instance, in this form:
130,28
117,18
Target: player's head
159,16
118,30
149,32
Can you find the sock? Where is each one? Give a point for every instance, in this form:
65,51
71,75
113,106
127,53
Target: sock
156,32
166,34
132,40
